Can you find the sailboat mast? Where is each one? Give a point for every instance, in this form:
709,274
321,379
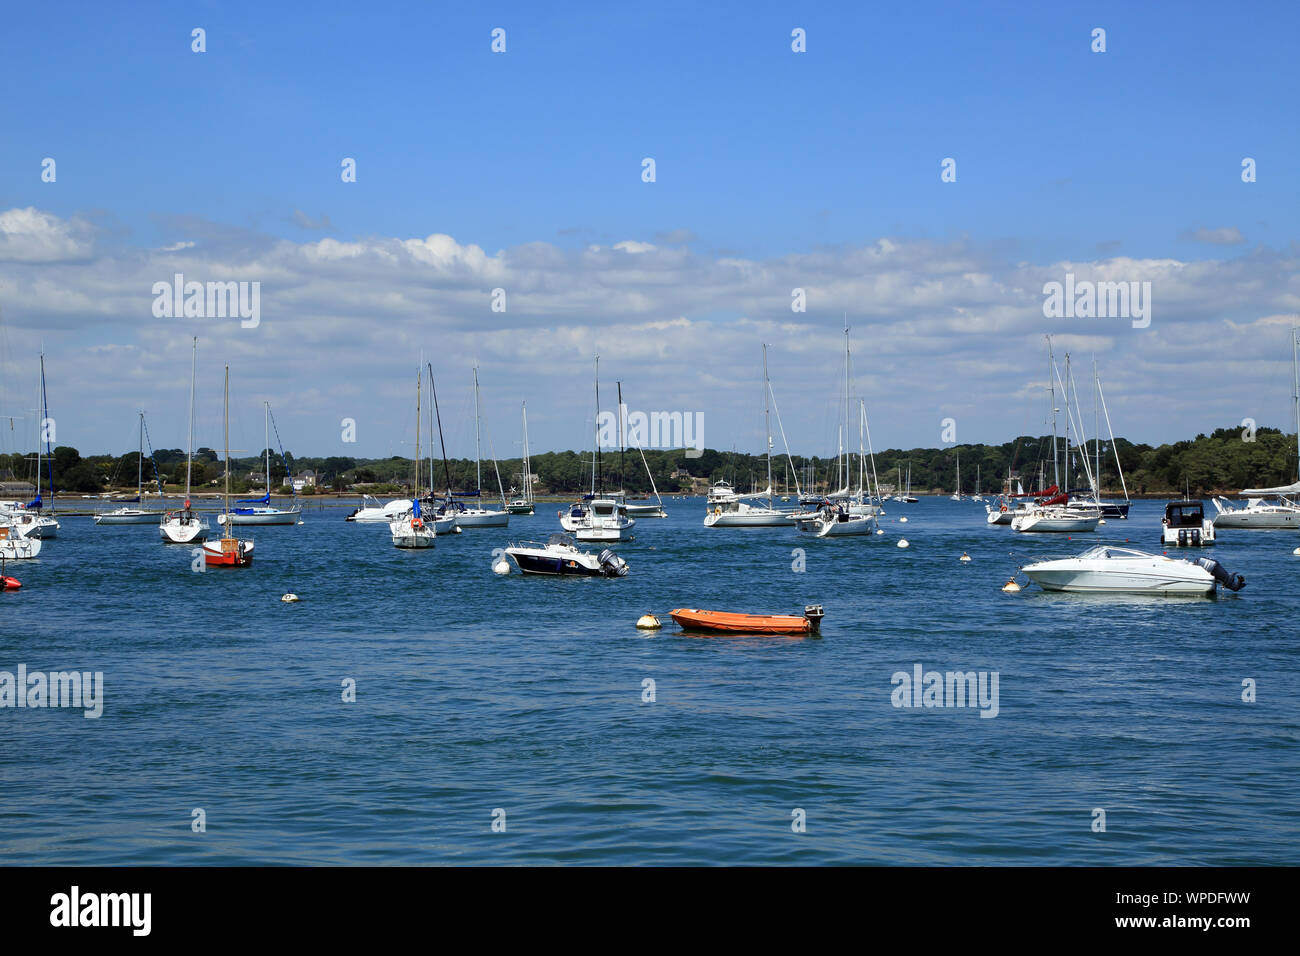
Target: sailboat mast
1096,429
767,427
1295,395
226,401
622,479
595,457
528,474
1051,388
446,468
139,464
419,385
189,455
478,453
266,436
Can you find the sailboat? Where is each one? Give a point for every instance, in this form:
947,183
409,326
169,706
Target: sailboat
410,530
1054,513
977,496
907,497
956,496
598,517
126,514
478,516
524,505
228,552
29,520
184,526
734,511
1269,508
637,507
262,511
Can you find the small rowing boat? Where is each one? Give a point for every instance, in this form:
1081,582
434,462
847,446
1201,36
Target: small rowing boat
726,622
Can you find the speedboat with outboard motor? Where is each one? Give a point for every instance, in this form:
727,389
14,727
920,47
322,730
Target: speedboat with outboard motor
560,557
1107,569
1185,525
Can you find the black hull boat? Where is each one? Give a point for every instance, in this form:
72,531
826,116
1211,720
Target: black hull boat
560,557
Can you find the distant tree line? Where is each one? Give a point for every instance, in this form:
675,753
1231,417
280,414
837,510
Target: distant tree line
1222,461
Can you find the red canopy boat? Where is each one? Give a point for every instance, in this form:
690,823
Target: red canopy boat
727,622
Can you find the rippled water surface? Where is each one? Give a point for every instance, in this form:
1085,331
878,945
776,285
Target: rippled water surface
476,692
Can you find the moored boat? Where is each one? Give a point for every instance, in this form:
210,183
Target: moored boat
560,557
727,622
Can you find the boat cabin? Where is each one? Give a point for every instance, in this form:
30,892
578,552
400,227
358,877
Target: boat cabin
1185,514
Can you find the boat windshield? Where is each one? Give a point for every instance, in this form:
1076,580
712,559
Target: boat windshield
560,539
1110,551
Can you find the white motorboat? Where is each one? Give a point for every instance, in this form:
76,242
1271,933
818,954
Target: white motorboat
598,519
184,526
1268,508
1055,518
370,511
834,521
1185,525
720,493
1107,569
560,557
126,514
16,547
410,530
262,511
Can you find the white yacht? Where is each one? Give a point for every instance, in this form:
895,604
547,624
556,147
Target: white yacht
1268,508
128,514
732,510
16,547
262,511
1053,517
410,530
1107,569
184,526
598,519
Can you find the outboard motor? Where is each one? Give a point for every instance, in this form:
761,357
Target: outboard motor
613,565
1233,582
814,614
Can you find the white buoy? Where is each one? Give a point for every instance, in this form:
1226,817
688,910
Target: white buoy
1296,552
648,622
903,543
289,598
903,520
502,566
1011,585
1102,521
880,531
965,558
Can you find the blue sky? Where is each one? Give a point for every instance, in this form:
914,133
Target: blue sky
788,163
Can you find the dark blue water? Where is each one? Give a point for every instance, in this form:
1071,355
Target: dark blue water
475,692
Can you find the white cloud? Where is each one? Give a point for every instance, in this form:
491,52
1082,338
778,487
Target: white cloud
936,326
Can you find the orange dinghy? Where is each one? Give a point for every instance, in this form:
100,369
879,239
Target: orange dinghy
726,622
